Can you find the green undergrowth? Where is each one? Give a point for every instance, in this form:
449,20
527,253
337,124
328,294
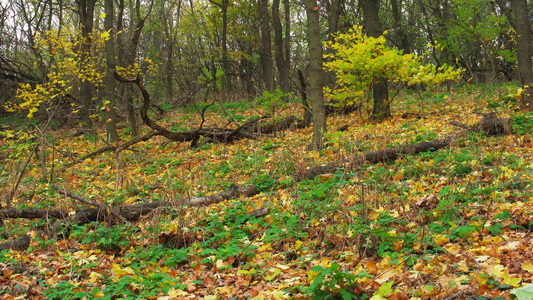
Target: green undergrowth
330,236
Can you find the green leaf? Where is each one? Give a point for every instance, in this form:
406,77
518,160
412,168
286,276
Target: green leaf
523,293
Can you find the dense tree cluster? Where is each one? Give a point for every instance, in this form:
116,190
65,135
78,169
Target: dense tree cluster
226,50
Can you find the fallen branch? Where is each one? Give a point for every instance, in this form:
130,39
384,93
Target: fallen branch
20,244
214,133
130,212
89,202
32,214
383,155
135,140
490,125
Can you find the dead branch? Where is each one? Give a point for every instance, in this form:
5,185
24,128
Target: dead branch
490,124
20,244
464,126
135,140
32,214
374,157
222,135
89,202
130,212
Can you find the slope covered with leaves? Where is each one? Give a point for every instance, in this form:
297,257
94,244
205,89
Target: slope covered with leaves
455,223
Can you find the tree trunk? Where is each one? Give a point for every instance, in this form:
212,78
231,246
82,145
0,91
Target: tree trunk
287,41
281,58
111,127
524,51
397,15
86,9
316,94
266,52
127,55
226,80
333,24
380,89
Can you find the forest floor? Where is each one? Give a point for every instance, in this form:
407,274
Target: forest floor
451,224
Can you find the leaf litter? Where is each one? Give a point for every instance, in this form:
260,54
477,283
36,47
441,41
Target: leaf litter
454,223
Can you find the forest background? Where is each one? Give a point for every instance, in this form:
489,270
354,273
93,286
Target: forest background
173,149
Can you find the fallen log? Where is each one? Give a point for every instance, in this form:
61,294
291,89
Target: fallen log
30,213
373,157
20,244
223,135
133,212
490,124
89,202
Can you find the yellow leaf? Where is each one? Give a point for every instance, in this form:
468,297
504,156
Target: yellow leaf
85,247
274,273
441,239
512,281
117,270
105,36
430,163
173,227
220,264
227,290
298,245
99,294
527,266
175,293
102,16
373,215
311,275
94,277
499,271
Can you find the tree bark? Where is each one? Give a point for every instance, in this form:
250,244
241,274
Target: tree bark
266,50
86,10
281,56
380,89
316,94
524,51
333,24
110,85
397,15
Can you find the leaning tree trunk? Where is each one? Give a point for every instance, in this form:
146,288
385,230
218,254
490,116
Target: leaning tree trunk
316,95
380,89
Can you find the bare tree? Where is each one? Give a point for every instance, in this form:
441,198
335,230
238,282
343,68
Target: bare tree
316,94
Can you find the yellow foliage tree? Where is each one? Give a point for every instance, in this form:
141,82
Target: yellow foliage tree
358,60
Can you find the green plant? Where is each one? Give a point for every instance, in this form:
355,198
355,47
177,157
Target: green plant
272,101
522,124
331,283
106,238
